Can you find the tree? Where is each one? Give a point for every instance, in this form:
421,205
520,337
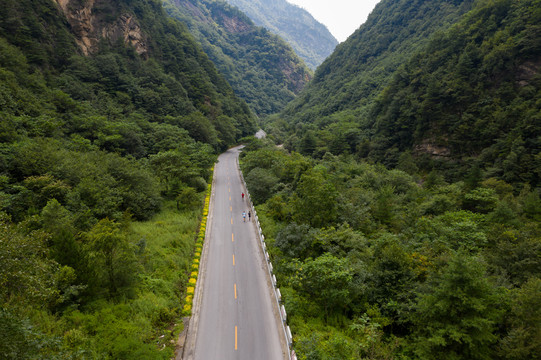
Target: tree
200,128
58,222
261,182
326,279
110,257
227,129
171,166
188,199
296,241
523,341
456,314
307,144
315,200
391,278
26,272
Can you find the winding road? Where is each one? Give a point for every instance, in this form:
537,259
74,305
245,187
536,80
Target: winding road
234,316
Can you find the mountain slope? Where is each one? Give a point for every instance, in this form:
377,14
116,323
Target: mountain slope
131,53
472,96
361,66
311,40
262,69
457,89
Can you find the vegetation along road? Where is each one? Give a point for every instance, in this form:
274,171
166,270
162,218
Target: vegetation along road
236,318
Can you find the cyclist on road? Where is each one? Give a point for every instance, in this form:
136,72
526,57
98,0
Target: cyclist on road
244,216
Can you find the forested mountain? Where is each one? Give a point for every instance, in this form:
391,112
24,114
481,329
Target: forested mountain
403,213
110,114
262,69
310,39
363,65
471,96
455,88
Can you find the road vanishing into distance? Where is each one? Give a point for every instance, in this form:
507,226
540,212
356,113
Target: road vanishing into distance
236,316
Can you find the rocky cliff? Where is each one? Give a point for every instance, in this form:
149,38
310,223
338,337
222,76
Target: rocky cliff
87,20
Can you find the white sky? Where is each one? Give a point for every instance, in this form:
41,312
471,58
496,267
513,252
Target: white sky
342,17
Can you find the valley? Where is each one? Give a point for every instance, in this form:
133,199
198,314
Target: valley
398,183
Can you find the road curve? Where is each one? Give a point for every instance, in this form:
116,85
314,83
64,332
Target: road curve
236,316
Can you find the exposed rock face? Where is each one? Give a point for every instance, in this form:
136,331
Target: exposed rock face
527,71
89,27
296,79
235,25
432,149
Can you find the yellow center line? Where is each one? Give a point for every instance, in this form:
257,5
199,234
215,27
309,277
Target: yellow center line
232,237
229,198
235,291
233,259
231,208
235,338
229,189
231,221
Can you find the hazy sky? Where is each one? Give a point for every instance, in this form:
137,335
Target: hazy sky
342,17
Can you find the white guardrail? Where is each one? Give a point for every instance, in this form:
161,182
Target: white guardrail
277,294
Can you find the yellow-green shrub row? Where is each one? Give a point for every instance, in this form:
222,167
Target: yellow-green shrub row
188,302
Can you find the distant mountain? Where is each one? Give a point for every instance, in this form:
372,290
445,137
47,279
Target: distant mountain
260,66
310,39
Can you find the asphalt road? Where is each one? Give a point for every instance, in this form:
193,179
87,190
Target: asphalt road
236,317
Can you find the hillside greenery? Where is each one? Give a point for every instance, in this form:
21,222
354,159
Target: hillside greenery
104,161
375,264
473,92
461,100
310,39
403,212
262,69
360,67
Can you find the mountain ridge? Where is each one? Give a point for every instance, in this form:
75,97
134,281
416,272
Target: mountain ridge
262,69
311,40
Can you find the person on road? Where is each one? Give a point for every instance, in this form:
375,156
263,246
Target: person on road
242,196
249,215
244,216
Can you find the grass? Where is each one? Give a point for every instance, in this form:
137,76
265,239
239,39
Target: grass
169,241
146,325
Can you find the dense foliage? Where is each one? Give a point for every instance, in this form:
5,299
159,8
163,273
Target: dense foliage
374,264
262,69
104,161
459,95
412,228
310,39
473,93
363,65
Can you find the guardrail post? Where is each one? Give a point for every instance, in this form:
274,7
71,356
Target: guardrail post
289,336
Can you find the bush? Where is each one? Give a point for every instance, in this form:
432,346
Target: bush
188,199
